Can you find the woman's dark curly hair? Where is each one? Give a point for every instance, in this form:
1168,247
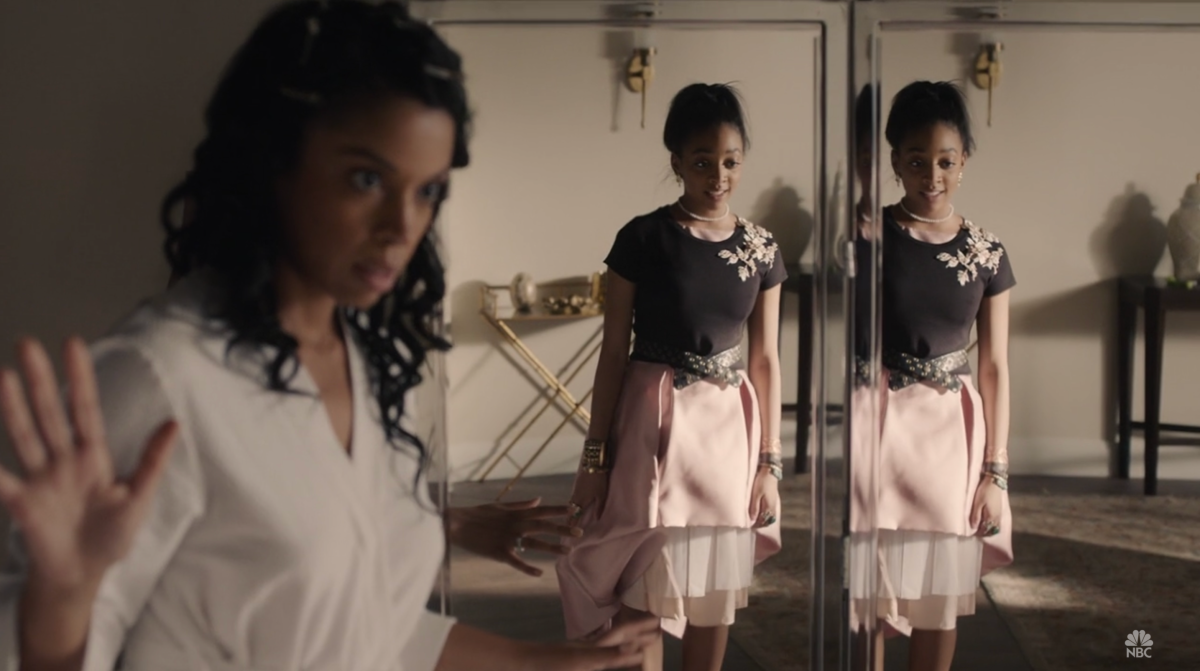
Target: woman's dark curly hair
311,60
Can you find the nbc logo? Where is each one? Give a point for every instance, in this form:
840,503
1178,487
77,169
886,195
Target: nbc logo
1138,644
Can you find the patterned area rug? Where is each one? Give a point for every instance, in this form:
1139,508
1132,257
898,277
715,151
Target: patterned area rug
1089,571
774,628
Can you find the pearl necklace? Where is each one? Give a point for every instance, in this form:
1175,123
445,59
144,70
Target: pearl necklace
923,219
700,218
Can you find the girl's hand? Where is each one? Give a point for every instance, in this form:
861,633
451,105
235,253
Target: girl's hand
987,508
591,489
75,517
764,499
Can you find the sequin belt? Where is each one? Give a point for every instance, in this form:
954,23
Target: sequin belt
907,370
690,367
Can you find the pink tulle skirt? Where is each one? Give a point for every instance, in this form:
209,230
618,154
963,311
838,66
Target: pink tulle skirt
926,560
676,538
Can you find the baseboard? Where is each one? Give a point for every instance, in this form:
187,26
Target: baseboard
1088,457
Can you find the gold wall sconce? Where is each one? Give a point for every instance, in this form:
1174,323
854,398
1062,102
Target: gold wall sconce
988,69
639,69
639,73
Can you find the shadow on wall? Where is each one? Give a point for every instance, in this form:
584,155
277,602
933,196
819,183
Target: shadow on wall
1130,240
778,209
1080,311
1084,311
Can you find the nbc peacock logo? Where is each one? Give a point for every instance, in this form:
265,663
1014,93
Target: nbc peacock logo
1138,644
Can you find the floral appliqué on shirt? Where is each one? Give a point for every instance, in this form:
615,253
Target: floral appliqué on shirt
758,247
982,250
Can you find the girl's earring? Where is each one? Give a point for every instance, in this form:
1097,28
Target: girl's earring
678,180
897,177
960,179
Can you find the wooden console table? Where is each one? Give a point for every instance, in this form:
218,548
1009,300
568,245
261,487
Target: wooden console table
1156,298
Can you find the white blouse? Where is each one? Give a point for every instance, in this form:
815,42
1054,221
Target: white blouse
268,547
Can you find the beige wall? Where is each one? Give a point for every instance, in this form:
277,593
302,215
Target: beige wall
102,106
1094,137
560,163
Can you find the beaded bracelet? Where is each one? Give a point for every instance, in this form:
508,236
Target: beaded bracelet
999,468
594,458
770,459
773,461
1001,481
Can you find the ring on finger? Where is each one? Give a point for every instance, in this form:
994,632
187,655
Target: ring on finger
576,509
519,544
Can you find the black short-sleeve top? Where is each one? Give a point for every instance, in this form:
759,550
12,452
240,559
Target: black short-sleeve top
692,294
932,292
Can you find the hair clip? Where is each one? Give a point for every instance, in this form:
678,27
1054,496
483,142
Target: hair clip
307,97
314,28
442,73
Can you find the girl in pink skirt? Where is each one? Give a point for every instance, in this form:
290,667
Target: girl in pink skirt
940,500
677,491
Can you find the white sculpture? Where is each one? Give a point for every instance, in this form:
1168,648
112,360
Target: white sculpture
1183,235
